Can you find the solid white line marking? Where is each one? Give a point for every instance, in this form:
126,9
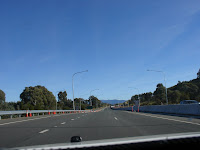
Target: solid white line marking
55,126
30,119
72,119
115,118
43,131
169,119
78,117
63,123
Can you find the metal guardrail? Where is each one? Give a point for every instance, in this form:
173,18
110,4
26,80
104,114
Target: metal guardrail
29,113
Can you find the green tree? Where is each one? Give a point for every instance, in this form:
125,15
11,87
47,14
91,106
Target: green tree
6,106
62,96
188,90
37,98
185,96
159,94
63,102
174,97
95,101
2,97
84,103
134,97
146,98
198,74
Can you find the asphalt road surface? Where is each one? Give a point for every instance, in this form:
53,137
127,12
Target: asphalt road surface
105,124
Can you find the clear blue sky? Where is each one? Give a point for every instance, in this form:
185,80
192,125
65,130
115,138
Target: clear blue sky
44,42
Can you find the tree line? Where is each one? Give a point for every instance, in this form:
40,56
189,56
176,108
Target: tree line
186,90
40,98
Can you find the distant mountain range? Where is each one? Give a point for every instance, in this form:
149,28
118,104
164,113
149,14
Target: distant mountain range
112,102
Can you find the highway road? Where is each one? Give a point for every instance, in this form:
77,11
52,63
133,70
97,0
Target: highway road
105,124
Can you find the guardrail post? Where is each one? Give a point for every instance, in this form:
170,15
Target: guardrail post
19,116
10,116
0,117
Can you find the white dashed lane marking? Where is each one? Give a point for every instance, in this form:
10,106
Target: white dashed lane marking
23,120
43,131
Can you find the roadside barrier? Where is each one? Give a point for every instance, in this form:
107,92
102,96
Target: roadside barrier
30,113
185,109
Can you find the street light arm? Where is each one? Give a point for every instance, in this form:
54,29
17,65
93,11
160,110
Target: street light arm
93,90
73,84
79,72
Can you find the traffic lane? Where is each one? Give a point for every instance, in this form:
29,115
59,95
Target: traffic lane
183,119
87,126
16,133
95,126
106,124
151,125
187,118
110,124
35,121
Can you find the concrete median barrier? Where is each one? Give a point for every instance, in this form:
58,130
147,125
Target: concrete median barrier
185,109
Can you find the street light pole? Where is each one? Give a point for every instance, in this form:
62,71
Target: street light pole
80,104
164,81
73,84
56,99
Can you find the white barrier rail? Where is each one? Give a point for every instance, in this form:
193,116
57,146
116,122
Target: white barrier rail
30,113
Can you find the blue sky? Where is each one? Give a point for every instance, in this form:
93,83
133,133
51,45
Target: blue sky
44,42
